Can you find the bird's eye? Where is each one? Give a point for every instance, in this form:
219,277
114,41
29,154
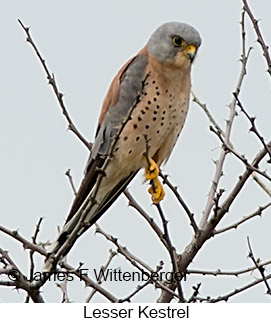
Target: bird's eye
177,41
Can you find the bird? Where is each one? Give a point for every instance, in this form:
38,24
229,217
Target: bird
141,118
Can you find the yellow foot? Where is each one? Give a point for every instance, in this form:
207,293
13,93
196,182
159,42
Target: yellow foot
152,171
156,189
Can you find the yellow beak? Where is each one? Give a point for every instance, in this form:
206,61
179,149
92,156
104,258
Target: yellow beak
190,51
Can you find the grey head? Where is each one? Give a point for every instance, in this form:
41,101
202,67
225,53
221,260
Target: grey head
171,38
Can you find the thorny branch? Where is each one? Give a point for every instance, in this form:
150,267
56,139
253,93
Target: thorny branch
112,254
236,291
171,250
69,175
19,281
260,39
31,254
36,248
135,261
169,246
232,106
140,287
258,212
52,82
219,272
253,126
260,268
150,220
239,156
208,113
181,201
261,184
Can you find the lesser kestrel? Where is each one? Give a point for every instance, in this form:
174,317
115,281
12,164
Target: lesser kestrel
142,116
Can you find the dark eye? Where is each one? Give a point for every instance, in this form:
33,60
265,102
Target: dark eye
177,41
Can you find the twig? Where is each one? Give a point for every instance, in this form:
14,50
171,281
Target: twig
112,254
26,244
219,272
260,39
241,182
68,174
89,282
220,162
241,157
29,245
63,286
51,80
261,184
31,255
216,201
208,114
140,287
258,212
135,261
181,201
196,288
260,268
237,290
20,281
171,249
253,126
150,220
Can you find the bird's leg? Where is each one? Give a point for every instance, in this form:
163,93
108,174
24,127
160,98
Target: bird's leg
152,173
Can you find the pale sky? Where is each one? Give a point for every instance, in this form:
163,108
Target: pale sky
84,44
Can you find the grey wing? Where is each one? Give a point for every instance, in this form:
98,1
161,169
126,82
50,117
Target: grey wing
131,83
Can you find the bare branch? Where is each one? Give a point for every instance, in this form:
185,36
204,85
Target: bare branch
261,184
63,286
241,157
89,282
26,244
219,272
193,298
181,201
208,114
232,106
135,261
52,81
31,254
260,39
253,126
112,254
197,242
19,281
260,268
258,212
140,287
236,291
171,250
150,220
68,174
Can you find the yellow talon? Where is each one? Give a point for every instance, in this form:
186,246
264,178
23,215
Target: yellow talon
156,189
152,171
